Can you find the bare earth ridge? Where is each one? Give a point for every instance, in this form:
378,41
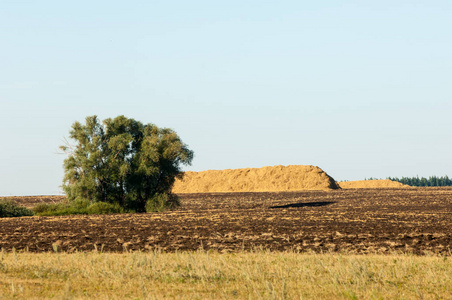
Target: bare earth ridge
372,184
266,179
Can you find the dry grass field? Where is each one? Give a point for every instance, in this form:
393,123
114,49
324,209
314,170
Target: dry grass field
211,275
261,245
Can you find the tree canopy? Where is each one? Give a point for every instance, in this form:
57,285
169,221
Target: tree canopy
423,181
123,161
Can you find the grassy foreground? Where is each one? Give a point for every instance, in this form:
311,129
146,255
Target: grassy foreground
212,275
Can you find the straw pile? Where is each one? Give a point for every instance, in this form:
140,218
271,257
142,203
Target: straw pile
266,179
371,184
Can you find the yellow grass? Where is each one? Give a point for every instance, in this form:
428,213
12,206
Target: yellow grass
212,275
266,179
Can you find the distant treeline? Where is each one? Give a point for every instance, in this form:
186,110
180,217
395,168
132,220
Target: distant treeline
431,181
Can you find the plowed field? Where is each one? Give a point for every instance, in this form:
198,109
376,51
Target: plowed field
414,220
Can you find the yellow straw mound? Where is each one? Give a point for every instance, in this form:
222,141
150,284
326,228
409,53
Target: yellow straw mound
370,184
266,179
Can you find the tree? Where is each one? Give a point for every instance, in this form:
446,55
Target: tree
431,181
123,161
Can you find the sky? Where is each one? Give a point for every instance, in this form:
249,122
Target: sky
359,88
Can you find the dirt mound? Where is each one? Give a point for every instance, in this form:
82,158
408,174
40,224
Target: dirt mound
266,179
371,184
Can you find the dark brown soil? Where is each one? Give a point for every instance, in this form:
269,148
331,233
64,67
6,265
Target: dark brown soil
417,220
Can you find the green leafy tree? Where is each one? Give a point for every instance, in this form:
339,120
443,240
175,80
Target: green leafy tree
122,161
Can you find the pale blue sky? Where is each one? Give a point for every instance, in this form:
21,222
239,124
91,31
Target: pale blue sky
358,88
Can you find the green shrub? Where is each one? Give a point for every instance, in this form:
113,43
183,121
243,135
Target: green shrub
161,202
77,207
104,208
9,208
50,209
